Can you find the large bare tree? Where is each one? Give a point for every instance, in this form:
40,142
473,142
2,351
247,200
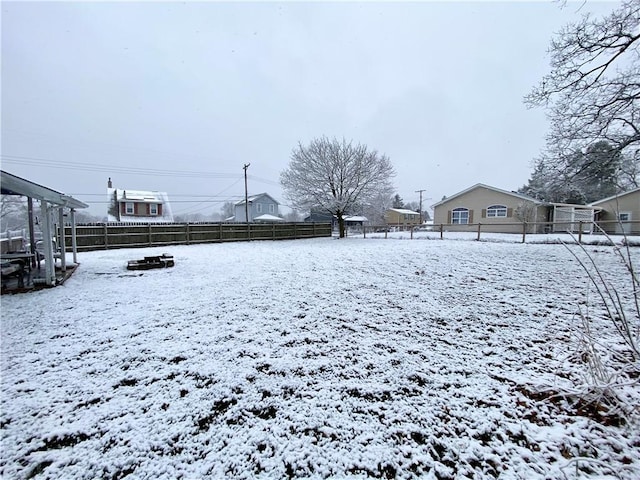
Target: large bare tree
336,176
592,91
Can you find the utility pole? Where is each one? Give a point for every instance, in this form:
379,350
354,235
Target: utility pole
246,194
420,191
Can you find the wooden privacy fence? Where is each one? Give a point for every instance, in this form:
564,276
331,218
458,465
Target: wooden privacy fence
97,236
578,228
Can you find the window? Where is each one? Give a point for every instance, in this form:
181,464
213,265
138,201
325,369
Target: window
128,209
497,211
460,216
272,208
259,208
153,209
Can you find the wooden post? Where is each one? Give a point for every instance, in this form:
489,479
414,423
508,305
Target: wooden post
411,233
187,232
106,236
479,227
579,232
150,244
441,231
524,231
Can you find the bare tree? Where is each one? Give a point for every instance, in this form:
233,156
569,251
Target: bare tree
336,176
593,88
13,212
228,210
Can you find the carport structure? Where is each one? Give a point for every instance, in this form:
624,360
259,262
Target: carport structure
52,202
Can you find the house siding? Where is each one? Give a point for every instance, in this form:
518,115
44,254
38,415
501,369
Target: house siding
477,201
258,205
624,203
393,217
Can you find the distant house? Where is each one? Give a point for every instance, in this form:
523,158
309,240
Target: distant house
138,206
401,216
260,208
502,211
620,213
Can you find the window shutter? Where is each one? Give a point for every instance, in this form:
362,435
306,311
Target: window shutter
160,209
484,213
449,216
148,208
470,216
509,212
123,208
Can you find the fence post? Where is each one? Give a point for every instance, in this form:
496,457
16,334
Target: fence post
441,231
106,237
150,244
187,233
524,231
479,227
411,233
579,232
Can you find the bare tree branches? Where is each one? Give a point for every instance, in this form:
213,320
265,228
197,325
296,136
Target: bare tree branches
336,176
593,89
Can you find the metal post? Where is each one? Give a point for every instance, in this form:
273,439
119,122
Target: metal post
62,240
74,242
50,267
479,227
246,200
524,231
32,237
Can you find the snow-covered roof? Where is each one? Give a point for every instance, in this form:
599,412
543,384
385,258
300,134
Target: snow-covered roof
268,218
404,211
482,185
140,196
356,218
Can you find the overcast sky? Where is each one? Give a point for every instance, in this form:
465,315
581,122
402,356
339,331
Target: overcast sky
177,97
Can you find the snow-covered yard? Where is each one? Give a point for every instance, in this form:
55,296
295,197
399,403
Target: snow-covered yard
310,359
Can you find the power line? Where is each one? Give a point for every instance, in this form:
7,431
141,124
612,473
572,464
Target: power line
69,165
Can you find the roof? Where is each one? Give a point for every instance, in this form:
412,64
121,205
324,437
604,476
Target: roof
482,185
252,198
613,197
404,211
139,196
14,185
268,218
356,218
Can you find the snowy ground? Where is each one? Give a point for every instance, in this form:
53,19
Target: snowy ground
310,359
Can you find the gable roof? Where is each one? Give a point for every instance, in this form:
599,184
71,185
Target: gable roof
404,211
613,197
268,218
253,198
488,187
14,185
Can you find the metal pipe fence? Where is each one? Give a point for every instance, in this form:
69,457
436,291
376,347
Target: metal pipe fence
521,229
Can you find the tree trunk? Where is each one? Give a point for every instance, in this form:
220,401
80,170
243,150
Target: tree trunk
341,228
